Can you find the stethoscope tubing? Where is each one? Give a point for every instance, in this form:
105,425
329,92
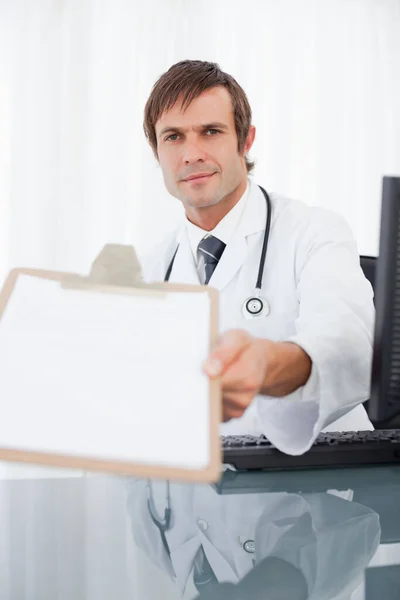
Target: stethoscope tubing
263,250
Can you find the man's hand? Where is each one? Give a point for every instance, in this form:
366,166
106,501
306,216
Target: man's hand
240,361
248,366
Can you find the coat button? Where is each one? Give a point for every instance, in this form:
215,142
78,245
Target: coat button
249,546
203,525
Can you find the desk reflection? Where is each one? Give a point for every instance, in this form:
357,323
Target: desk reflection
271,545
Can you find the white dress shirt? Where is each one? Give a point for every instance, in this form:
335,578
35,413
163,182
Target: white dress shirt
223,231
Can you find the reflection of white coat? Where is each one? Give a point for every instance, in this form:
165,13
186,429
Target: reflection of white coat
319,298
333,546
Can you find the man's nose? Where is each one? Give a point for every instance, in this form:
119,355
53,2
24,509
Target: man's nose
193,152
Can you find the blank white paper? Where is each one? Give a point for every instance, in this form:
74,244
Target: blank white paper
106,376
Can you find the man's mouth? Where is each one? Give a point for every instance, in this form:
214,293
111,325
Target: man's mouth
199,177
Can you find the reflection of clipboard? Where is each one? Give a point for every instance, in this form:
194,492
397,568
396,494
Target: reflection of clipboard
85,425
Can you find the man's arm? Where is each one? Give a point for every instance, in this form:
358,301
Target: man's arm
334,329
249,366
288,367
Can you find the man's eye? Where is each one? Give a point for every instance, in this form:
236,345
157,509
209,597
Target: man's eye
173,136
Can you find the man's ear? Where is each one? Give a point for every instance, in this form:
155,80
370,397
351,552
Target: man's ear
154,151
250,139
153,148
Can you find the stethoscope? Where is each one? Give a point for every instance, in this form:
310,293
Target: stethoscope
200,579
256,305
163,524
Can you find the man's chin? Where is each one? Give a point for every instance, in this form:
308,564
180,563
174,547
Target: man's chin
200,202
201,205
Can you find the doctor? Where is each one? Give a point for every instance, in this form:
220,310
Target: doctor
296,311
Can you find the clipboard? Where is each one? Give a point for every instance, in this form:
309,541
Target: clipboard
116,270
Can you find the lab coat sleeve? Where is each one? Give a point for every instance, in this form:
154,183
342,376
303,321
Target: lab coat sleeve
335,328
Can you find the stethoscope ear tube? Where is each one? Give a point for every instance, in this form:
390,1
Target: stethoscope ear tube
265,241
163,524
171,264
257,306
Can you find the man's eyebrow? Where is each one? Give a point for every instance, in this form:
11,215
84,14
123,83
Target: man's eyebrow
214,125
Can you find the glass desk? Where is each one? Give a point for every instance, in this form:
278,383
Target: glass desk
74,536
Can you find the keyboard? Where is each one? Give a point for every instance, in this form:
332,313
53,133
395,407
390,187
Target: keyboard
333,449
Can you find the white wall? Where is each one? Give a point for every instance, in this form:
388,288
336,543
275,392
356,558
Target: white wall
75,170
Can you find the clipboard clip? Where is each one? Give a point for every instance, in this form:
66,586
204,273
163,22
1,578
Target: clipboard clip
116,265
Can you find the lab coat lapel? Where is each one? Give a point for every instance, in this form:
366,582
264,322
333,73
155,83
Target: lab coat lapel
253,220
184,269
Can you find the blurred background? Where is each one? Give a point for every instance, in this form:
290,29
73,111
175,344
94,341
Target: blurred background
322,77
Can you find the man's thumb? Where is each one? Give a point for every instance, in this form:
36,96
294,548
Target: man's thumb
229,346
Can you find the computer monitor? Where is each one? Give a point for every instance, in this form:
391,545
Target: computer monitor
384,401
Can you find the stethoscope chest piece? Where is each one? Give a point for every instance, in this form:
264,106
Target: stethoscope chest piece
255,306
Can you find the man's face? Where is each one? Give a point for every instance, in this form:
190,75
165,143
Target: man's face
201,141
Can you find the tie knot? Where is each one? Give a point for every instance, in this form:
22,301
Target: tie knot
212,248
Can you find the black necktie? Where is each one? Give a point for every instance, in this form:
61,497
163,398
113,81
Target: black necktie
211,249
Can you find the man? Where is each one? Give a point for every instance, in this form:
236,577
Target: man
303,366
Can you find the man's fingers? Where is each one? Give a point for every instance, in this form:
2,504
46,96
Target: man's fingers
229,414
230,345
239,361
245,375
238,401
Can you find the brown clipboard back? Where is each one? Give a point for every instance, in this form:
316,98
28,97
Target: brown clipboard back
116,270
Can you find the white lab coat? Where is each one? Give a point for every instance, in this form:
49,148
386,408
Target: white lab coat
319,299
331,546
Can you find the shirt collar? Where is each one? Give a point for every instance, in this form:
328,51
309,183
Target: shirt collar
225,228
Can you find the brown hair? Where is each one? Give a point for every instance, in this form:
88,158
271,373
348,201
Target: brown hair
188,79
